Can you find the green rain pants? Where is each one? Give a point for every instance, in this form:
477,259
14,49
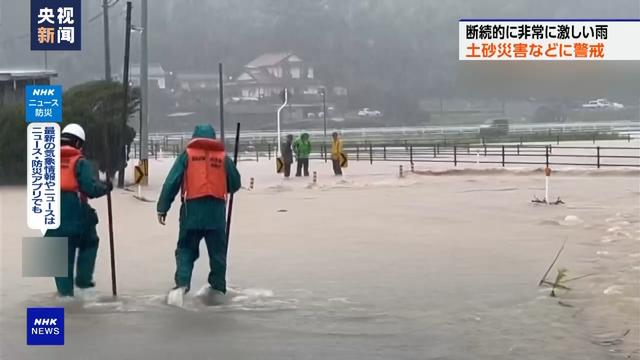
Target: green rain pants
86,247
187,252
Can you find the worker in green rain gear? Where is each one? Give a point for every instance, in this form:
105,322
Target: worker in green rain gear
78,219
204,175
302,149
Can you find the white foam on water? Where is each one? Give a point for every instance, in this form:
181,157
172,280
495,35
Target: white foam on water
608,239
613,229
342,300
602,253
256,293
116,304
86,294
66,299
571,220
613,290
176,297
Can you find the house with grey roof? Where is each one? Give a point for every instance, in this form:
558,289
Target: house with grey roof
14,81
262,80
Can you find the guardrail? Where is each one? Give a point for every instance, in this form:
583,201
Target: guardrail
407,132
455,154
510,154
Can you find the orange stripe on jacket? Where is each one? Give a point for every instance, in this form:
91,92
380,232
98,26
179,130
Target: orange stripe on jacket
205,174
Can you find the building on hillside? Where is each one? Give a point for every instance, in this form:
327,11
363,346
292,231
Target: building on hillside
194,81
13,83
158,77
258,87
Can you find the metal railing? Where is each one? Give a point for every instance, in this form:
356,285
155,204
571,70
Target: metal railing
420,132
467,153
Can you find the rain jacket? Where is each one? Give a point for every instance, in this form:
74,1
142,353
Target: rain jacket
286,152
302,146
76,216
205,213
336,149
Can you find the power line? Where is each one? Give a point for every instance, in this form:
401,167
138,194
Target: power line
100,13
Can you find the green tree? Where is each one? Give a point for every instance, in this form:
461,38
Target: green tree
13,143
97,106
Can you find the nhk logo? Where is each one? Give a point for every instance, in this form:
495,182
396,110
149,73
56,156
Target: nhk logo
44,92
45,326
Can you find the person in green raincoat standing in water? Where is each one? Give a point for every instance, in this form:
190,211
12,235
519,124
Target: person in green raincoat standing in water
78,220
203,175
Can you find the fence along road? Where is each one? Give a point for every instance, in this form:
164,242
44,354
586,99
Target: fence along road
596,156
621,127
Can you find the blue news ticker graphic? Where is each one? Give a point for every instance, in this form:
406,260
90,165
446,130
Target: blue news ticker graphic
45,326
56,25
43,103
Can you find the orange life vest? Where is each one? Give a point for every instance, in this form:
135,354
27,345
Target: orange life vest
205,174
69,157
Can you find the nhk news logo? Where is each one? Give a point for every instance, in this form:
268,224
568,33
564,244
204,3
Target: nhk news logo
45,326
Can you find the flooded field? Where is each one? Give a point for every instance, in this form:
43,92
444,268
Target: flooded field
434,265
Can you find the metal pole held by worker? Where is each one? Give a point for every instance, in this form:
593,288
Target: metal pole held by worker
235,161
221,99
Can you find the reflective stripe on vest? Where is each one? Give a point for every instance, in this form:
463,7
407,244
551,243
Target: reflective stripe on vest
69,157
205,174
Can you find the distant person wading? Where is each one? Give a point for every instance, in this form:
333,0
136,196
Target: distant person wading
302,149
287,155
336,153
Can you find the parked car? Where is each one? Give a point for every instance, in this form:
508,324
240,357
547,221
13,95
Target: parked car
495,127
602,104
366,112
245,99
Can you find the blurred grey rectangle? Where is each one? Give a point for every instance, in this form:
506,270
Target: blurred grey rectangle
44,256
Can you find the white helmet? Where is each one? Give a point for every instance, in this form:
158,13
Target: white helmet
75,130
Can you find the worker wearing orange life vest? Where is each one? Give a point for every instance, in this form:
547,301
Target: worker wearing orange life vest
77,219
204,176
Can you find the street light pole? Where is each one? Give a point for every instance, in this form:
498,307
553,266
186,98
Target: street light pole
324,117
144,92
285,100
324,111
221,99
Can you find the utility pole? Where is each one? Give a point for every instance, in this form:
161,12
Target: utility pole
324,117
324,110
221,94
125,84
144,94
107,47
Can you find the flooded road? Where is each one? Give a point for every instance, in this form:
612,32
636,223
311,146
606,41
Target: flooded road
369,267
